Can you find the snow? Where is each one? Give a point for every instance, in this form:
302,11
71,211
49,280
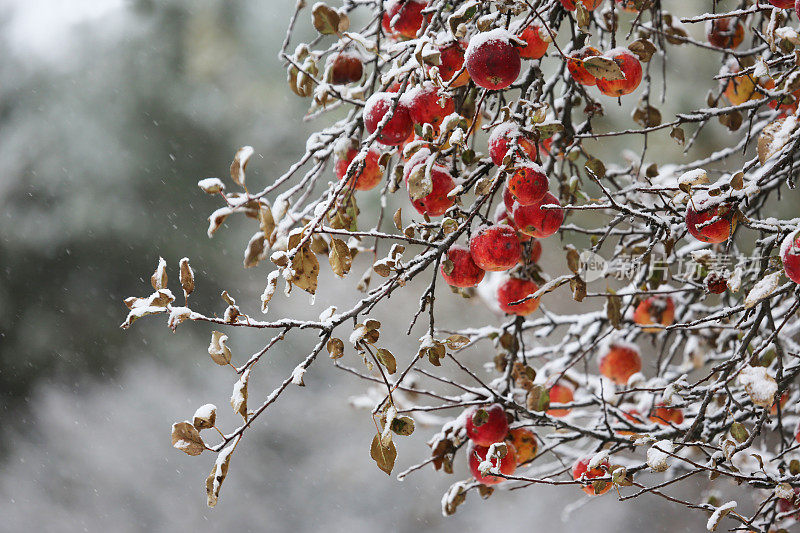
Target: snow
480,39
693,177
598,459
205,412
658,454
211,185
178,315
238,399
358,335
786,245
765,287
759,384
297,375
718,514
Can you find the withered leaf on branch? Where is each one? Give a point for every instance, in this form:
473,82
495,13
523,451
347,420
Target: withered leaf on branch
218,350
603,67
254,252
335,348
398,219
159,278
403,426
327,20
643,48
239,395
419,183
239,164
646,115
596,167
538,398
187,439
678,134
387,360
573,259
775,136
456,342
305,268
186,277
339,257
266,222
614,309
205,417
218,473
384,456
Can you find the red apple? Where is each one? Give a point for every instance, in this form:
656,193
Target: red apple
451,58
528,183
581,472
525,444
370,174
620,362
491,60
725,32
495,247
576,68
630,67
399,127
464,273
477,454
437,202
486,425
501,139
346,67
560,393
790,255
534,35
535,221
657,309
426,106
403,18
665,416
514,290
710,222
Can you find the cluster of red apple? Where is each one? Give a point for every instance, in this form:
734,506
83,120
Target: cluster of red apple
489,425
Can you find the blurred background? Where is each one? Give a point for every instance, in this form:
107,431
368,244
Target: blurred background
110,111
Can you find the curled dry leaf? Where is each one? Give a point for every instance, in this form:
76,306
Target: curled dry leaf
538,398
335,348
387,360
219,472
239,395
384,456
456,342
216,219
186,277
326,19
305,270
266,222
159,278
775,136
643,48
211,185
239,164
603,67
765,288
218,350
255,250
339,257
403,426
187,439
269,290
205,417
